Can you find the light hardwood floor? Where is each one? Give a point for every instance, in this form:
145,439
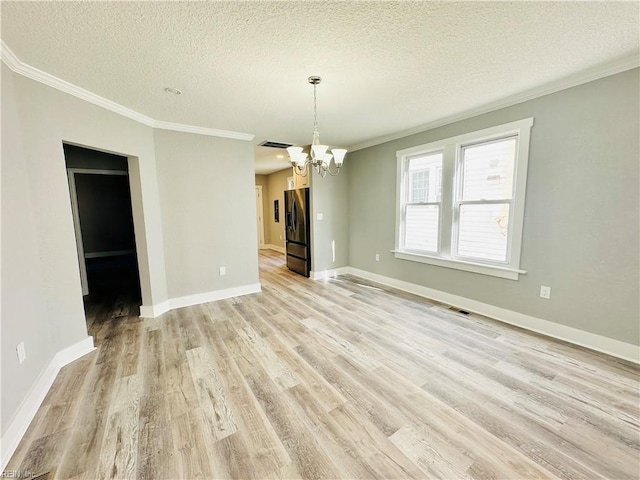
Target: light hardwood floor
335,379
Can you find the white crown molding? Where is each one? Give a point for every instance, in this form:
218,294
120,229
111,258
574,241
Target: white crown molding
601,71
8,57
212,132
30,405
586,76
21,68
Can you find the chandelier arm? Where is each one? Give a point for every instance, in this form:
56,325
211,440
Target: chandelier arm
333,174
301,171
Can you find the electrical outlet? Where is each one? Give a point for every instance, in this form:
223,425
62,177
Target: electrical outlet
545,292
22,354
223,270
320,216
377,257
280,237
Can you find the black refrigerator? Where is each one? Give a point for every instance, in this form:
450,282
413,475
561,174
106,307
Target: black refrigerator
298,230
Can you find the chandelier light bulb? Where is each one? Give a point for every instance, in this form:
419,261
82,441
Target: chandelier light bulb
294,151
318,151
338,155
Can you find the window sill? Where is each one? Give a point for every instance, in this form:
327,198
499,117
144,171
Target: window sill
492,270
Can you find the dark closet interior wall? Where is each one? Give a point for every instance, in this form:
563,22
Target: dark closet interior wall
106,219
79,157
104,205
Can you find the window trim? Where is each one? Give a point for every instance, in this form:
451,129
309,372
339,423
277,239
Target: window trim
451,149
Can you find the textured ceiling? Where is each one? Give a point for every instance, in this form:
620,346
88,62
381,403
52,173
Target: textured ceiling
386,66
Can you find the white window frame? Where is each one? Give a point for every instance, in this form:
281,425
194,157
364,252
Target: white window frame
449,205
406,194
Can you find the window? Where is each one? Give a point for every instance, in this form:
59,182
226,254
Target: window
461,200
484,200
423,205
419,185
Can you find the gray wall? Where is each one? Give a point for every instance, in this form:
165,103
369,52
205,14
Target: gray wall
208,212
51,118
39,256
330,197
581,214
277,185
24,304
207,188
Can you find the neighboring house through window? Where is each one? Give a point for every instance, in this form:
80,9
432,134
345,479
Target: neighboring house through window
460,201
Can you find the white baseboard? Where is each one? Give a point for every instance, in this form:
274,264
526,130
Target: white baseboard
207,297
276,248
30,405
74,352
324,274
589,340
153,311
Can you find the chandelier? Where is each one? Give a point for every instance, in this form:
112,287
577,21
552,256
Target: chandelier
321,160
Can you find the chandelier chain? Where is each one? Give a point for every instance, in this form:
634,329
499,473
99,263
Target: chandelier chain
315,107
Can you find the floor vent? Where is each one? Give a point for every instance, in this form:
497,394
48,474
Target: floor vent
463,312
271,144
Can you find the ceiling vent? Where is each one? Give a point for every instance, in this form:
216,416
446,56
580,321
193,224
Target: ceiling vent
271,144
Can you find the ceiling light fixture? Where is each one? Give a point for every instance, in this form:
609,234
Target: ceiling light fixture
320,159
173,91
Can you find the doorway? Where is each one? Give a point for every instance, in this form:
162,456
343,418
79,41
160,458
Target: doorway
103,221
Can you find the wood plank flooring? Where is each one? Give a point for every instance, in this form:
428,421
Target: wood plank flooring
336,379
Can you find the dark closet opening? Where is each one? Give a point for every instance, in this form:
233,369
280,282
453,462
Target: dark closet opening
103,220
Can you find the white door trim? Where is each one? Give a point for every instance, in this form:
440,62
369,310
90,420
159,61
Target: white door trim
260,216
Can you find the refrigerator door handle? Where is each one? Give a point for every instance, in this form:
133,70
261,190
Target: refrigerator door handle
294,215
